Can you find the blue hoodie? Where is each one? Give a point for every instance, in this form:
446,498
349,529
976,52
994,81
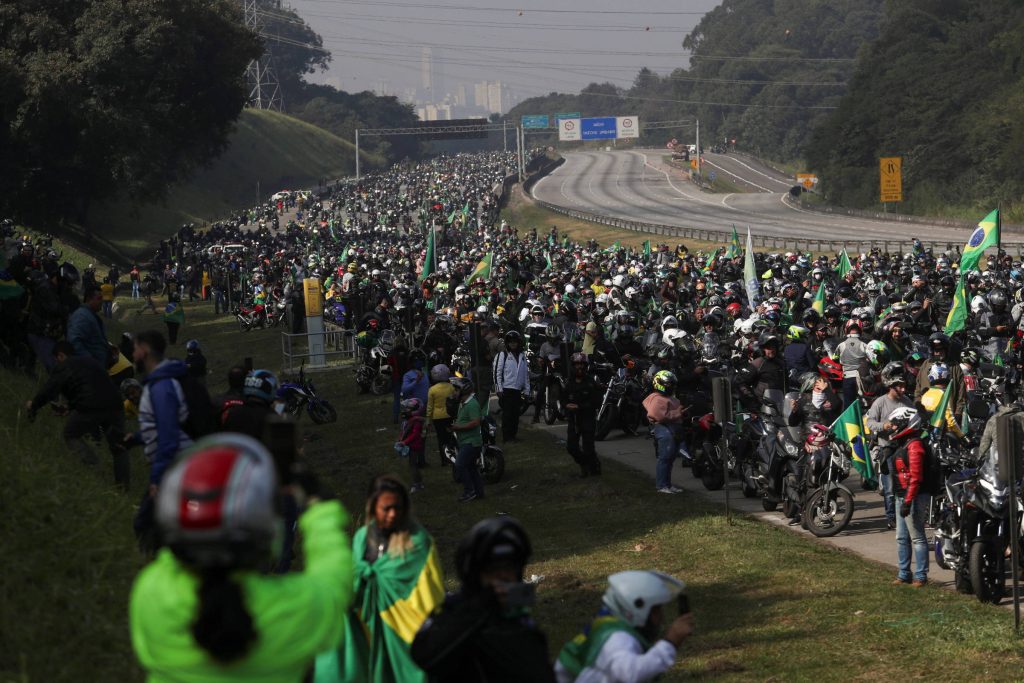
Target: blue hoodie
415,385
162,412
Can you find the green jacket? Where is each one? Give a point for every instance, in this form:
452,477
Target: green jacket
296,615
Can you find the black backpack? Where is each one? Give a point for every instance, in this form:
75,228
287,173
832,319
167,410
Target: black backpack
202,416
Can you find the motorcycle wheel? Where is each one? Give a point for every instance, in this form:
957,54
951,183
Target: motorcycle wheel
605,422
940,558
381,385
711,474
448,458
550,405
827,515
494,465
987,571
768,505
322,412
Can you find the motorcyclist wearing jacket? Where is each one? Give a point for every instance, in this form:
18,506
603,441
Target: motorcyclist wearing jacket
996,326
765,373
851,352
625,643
911,502
582,399
895,396
203,611
666,416
798,355
484,631
259,393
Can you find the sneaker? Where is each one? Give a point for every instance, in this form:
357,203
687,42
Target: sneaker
794,521
669,489
466,497
676,489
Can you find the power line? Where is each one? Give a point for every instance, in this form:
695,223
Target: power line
519,11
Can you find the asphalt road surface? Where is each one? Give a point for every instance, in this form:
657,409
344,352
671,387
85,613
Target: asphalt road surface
638,185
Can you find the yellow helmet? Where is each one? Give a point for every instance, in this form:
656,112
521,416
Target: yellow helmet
353,268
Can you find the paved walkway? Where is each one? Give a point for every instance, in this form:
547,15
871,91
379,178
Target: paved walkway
866,534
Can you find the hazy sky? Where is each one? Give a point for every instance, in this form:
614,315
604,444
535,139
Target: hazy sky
536,47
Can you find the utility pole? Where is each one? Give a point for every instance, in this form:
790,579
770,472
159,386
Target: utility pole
504,133
264,88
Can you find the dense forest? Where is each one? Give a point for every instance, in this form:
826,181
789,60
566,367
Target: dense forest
943,87
762,72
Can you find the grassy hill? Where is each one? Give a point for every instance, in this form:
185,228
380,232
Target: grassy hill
268,151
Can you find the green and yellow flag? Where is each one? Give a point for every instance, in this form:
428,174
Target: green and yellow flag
984,236
819,300
844,266
394,596
482,270
849,428
938,419
734,245
428,259
957,318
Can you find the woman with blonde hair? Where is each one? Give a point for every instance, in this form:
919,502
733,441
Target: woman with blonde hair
398,582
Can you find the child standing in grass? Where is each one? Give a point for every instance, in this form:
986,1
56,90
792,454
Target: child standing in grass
411,440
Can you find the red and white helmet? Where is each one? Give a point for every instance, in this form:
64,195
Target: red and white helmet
216,505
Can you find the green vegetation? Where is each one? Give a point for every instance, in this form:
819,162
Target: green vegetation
769,603
267,151
943,87
771,60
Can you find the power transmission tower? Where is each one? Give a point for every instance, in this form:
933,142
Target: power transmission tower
264,88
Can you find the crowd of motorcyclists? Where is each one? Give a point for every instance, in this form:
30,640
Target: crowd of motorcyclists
417,265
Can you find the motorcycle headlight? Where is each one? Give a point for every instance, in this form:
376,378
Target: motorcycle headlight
791,448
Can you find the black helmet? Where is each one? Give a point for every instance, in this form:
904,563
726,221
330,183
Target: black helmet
938,340
513,336
769,340
493,540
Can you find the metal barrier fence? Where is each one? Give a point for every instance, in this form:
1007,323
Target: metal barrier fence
336,346
763,241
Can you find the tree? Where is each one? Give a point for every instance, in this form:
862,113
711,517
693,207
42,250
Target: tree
114,97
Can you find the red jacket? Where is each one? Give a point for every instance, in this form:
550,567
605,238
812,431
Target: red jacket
412,433
910,470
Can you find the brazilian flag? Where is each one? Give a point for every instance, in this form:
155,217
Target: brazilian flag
849,428
984,236
819,300
482,270
957,318
394,595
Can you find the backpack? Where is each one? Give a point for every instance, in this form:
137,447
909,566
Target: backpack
202,416
932,481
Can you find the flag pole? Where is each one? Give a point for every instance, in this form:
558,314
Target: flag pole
999,234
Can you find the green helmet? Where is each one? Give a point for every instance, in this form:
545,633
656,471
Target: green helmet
878,353
797,333
664,381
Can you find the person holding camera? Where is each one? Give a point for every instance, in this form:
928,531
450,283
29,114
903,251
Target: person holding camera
484,632
624,643
203,610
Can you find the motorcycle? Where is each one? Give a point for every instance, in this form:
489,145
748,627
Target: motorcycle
973,529
620,404
302,394
554,386
374,373
706,447
491,461
827,504
336,313
775,456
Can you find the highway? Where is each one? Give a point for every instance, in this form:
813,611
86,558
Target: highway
637,185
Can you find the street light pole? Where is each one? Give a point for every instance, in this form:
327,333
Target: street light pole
698,148
357,154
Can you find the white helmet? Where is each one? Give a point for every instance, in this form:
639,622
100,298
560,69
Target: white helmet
670,336
632,594
619,281
570,289
669,322
630,292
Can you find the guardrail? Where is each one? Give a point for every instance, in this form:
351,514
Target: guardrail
817,245
336,346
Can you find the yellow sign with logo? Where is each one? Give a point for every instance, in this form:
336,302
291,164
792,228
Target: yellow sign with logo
693,163
808,180
891,174
314,298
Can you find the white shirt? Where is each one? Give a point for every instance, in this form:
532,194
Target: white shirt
622,660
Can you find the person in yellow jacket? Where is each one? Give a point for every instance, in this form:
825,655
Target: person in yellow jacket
938,377
437,411
203,611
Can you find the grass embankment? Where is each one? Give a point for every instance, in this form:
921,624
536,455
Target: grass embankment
267,152
769,604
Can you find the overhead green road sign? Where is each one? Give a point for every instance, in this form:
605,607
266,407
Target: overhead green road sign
574,115
535,121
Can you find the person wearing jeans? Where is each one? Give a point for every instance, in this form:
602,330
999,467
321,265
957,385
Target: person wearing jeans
666,415
467,433
908,463
895,397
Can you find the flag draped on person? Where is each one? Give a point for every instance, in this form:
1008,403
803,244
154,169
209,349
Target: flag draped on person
750,274
394,595
428,258
984,236
734,245
482,270
844,266
956,320
938,419
849,428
